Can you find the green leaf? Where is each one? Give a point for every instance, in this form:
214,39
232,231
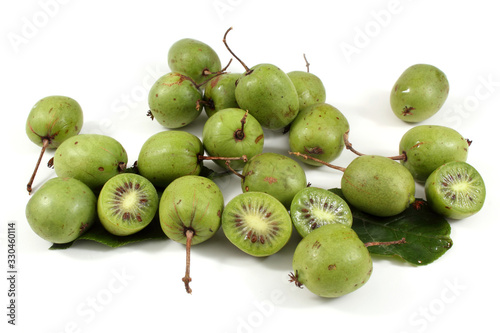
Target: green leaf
97,233
427,234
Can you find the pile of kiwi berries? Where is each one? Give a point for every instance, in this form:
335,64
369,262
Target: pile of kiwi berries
96,184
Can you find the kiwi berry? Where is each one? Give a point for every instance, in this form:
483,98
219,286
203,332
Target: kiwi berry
257,223
190,213
127,203
91,158
455,190
61,210
313,207
52,120
331,261
275,174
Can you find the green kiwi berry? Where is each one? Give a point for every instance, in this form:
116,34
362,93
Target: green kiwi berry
232,132
52,120
61,210
419,93
127,203
455,190
168,155
426,147
257,223
331,261
378,185
90,158
313,207
193,58
174,100
274,174
318,131
219,93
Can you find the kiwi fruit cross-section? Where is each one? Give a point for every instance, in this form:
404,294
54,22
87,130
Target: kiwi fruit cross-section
257,223
313,207
455,190
127,203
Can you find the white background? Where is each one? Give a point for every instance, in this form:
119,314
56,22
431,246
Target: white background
106,55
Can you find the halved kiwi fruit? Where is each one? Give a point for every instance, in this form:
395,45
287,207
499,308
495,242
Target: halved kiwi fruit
313,207
455,190
127,203
257,223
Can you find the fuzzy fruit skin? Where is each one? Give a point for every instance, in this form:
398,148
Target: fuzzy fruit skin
318,131
332,261
191,202
61,210
419,93
191,57
274,174
269,95
168,155
429,146
440,198
146,209
378,185
55,118
219,136
310,88
90,158
219,93
174,100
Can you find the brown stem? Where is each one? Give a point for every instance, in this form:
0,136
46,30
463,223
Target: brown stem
307,157
348,145
46,143
307,62
187,278
244,158
228,165
232,53
240,133
401,241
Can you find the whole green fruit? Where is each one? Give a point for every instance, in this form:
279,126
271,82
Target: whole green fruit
174,100
318,131
232,133
219,93
269,95
419,93
54,118
274,174
191,203
90,158
332,261
310,88
193,58
51,121
168,155
426,147
61,210
378,185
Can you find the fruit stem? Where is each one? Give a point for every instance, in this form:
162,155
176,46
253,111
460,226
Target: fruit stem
244,158
46,143
232,53
348,145
307,157
307,62
228,165
401,241
187,278
240,134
